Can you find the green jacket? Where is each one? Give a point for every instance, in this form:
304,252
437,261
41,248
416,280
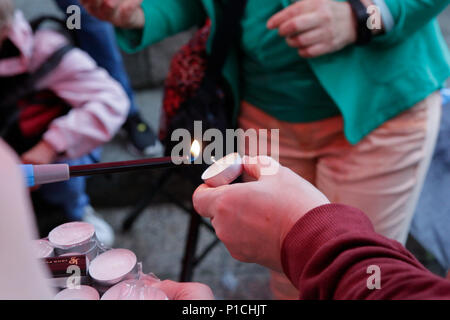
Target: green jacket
369,84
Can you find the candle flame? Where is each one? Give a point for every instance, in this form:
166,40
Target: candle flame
195,149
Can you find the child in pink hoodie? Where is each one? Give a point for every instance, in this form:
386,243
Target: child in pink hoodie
98,105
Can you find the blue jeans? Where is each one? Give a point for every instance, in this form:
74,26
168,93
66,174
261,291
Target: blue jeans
446,96
431,221
70,195
98,39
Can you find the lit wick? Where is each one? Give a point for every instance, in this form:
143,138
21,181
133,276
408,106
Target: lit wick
195,149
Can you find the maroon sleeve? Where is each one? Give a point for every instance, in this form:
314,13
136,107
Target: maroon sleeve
332,252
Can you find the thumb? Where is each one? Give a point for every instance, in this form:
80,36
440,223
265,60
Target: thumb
260,167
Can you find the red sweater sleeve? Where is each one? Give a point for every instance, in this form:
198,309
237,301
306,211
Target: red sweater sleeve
327,253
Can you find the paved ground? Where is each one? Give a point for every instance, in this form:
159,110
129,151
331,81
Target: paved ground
158,236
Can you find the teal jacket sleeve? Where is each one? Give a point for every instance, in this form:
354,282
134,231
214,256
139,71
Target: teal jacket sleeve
411,15
163,18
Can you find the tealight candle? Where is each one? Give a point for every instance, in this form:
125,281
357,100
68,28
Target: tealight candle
42,248
223,171
112,266
81,293
134,290
71,234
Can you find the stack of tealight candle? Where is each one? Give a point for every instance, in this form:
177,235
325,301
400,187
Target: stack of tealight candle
83,269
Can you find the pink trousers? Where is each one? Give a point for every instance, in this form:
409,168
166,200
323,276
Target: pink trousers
382,175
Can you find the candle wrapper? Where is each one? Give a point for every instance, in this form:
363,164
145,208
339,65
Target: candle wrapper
141,288
68,270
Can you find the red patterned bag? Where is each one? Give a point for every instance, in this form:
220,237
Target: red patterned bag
187,70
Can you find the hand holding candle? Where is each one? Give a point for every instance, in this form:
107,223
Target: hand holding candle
252,219
224,171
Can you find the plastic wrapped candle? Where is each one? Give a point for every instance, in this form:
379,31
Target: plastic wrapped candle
223,171
113,266
71,234
134,290
81,293
74,237
42,248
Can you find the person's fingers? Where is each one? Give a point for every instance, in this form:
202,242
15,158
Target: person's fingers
290,12
251,167
108,8
170,288
260,167
94,4
185,291
127,12
307,39
205,200
299,24
314,50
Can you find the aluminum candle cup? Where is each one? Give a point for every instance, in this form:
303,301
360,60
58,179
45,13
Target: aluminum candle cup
74,237
72,234
113,266
82,293
42,248
223,171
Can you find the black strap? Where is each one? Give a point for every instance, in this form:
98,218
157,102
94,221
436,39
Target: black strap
31,81
62,26
227,31
364,34
29,85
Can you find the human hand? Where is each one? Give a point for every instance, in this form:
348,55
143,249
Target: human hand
185,290
121,13
42,153
316,27
252,219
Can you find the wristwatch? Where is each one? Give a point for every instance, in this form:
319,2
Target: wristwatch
364,34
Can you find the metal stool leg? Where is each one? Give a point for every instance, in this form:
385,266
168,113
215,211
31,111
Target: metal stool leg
145,201
189,259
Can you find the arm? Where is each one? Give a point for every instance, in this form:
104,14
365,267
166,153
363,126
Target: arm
143,22
22,276
283,222
99,106
327,253
162,19
411,15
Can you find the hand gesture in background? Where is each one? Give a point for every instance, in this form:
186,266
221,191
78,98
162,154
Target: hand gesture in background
121,13
316,27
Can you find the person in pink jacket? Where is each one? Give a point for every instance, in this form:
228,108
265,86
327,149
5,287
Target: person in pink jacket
98,107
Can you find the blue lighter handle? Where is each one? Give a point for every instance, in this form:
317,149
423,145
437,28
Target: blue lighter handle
28,173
